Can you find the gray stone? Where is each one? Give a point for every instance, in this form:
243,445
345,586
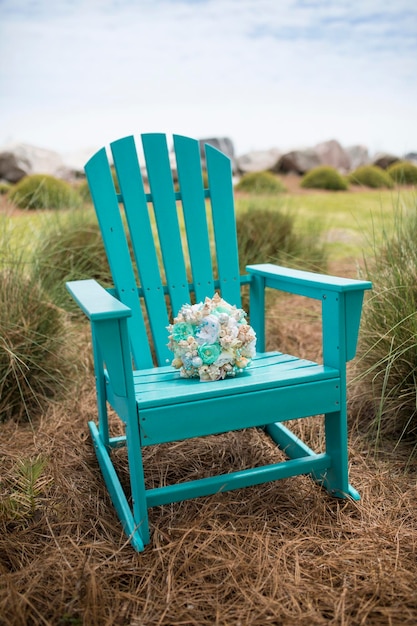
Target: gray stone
18,160
257,161
331,153
411,156
384,160
358,155
297,161
224,144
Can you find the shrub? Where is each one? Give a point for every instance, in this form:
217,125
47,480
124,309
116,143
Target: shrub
403,173
387,380
33,365
371,176
260,183
324,177
70,248
40,191
268,235
4,188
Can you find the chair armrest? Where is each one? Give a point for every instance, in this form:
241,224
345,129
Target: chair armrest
96,302
341,305
304,283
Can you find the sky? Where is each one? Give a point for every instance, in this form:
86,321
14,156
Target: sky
78,74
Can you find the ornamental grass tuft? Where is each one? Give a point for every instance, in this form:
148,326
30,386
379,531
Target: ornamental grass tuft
324,177
70,247
270,235
403,173
41,191
386,384
371,176
33,365
263,182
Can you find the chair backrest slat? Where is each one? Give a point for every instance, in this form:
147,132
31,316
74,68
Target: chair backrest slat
166,215
104,196
219,173
192,192
170,233
137,215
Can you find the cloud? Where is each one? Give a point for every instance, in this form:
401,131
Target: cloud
266,73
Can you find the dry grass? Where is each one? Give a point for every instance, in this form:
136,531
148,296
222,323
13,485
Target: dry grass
282,553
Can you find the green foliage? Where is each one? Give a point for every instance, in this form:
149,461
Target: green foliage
371,176
260,183
4,188
33,366
388,346
40,191
403,173
269,235
324,177
25,487
70,247
84,191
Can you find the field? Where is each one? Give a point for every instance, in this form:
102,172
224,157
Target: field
283,553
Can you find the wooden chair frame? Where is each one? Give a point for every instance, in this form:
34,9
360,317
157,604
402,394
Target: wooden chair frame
154,403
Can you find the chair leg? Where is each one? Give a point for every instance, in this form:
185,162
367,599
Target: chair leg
138,533
336,480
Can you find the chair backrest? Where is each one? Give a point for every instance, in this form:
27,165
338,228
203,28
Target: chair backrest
162,242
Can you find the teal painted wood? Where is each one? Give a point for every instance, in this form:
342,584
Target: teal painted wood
105,201
191,186
164,204
236,480
138,219
233,412
115,490
165,386
219,173
155,403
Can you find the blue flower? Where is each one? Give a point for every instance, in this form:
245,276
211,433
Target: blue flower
209,352
182,331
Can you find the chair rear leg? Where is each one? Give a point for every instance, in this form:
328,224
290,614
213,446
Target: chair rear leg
336,480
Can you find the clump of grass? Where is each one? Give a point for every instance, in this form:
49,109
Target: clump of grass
387,379
70,247
324,177
270,235
403,173
260,183
25,485
41,191
371,176
33,364
4,188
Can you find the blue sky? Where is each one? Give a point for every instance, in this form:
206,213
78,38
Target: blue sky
77,74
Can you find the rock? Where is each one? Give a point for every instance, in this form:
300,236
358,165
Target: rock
331,153
224,144
298,161
18,160
257,161
384,160
411,156
358,155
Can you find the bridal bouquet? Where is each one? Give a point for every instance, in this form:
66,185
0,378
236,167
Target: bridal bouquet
211,340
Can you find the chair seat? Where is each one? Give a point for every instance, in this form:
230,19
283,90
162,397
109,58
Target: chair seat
172,408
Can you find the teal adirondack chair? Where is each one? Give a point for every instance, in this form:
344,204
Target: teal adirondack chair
129,323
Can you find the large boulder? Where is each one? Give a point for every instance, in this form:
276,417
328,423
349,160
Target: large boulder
257,161
331,153
411,156
384,160
19,159
297,161
358,156
224,144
